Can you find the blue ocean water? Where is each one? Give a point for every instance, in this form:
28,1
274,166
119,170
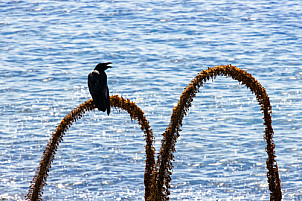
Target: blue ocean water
48,48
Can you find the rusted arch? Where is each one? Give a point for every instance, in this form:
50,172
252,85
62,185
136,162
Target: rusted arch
165,158
156,179
39,180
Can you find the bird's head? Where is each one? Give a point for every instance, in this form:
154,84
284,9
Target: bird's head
102,66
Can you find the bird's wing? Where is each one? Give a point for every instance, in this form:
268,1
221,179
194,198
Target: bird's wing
97,84
94,84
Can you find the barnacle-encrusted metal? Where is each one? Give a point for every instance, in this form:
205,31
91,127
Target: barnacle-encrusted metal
39,180
158,175
164,167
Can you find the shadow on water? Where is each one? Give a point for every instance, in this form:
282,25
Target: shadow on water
158,174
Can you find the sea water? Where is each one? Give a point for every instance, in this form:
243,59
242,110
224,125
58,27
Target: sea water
48,48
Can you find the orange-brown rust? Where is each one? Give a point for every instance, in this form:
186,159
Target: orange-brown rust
164,163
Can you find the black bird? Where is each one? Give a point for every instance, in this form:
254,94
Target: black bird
98,88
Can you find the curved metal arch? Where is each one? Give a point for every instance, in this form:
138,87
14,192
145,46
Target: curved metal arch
165,157
157,177
39,180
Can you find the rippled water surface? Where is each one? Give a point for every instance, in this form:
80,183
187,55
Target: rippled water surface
48,48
